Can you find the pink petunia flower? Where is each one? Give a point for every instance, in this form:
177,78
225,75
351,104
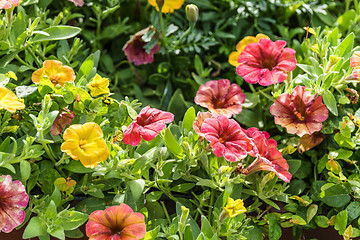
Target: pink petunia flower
134,49
147,125
220,97
300,113
78,3
226,138
64,118
6,4
13,198
266,62
116,223
355,63
199,120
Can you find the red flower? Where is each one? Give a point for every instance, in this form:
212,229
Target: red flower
355,63
300,113
64,118
147,125
226,138
266,62
220,97
116,223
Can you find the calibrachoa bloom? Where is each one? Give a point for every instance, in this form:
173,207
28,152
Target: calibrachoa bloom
355,63
13,198
85,143
147,125
99,85
134,49
220,97
199,120
55,71
266,62
9,101
6,4
64,118
234,207
168,6
233,57
78,3
226,138
300,113
116,223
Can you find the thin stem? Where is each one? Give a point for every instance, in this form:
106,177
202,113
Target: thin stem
27,48
166,212
46,147
24,63
212,199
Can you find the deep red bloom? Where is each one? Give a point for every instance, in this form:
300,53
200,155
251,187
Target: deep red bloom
64,118
116,223
220,97
300,113
266,62
147,125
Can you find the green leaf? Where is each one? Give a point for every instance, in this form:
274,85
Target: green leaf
24,91
311,212
336,195
56,196
171,143
51,212
274,227
45,86
206,228
298,220
71,219
58,232
341,221
189,119
343,141
36,227
353,210
330,102
151,235
183,187
25,171
57,33
345,46
322,221
90,62
153,196
137,187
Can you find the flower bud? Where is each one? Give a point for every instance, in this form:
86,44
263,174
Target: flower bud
192,13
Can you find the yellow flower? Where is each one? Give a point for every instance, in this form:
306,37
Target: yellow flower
99,86
169,5
241,46
85,143
234,208
55,71
9,100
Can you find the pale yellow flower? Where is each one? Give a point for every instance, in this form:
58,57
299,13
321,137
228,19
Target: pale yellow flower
99,85
55,71
234,207
9,101
169,5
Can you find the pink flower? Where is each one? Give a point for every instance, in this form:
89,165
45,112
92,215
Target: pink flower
134,49
64,118
6,4
147,125
220,97
266,62
78,3
116,223
226,138
300,113
199,120
355,63
13,198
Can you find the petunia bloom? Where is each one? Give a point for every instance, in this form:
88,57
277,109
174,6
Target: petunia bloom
85,143
99,85
6,4
78,3
300,113
64,118
355,63
147,125
134,49
9,101
266,62
13,198
116,223
233,57
55,71
234,207
199,120
168,5
220,97
226,138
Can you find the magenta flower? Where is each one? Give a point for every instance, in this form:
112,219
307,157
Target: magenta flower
6,4
78,3
116,223
64,118
134,49
220,97
300,113
13,198
226,138
147,125
266,62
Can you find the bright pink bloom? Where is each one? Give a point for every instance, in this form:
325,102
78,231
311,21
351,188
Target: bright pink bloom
266,62
147,125
64,118
226,138
13,198
134,49
199,120
116,223
300,113
6,4
78,3
220,97
355,63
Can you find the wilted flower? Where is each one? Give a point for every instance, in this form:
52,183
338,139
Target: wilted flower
99,85
307,141
85,143
168,6
116,222
64,118
9,101
220,97
147,125
266,62
55,71
6,4
200,117
355,63
13,198
78,3
300,113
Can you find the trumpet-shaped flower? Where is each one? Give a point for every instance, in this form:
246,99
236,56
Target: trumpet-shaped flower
355,63
64,118
55,71
116,223
78,3
220,97
300,113
9,101
99,85
147,125
6,4
13,198
199,120
168,5
85,143
234,207
266,62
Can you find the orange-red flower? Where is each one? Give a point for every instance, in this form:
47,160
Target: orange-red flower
355,63
168,6
9,101
55,71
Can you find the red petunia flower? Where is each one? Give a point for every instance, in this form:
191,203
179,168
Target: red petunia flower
64,118
147,125
116,223
300,113
266,62
220,97
355,63
226,138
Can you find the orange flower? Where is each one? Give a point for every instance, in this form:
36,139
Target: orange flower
169,5
55,71
9,101
85,143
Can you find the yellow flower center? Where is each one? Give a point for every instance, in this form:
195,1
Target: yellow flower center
82,143
299,116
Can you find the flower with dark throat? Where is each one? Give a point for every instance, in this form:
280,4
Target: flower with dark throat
55,71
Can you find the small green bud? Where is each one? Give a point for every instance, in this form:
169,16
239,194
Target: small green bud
192,13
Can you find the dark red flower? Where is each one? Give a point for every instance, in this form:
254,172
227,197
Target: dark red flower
64,118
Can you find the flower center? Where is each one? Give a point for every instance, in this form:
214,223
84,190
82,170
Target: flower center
54,79
82,143
218,104
221,140
268,63
299,116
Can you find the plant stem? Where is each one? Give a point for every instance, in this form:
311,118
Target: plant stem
27,48
166,212
211,204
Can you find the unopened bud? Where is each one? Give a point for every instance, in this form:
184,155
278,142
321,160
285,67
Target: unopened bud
192,13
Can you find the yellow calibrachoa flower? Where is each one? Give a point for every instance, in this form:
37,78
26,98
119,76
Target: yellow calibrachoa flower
241,46
169,5
55,71
85,143
99,85
234,208
9,101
